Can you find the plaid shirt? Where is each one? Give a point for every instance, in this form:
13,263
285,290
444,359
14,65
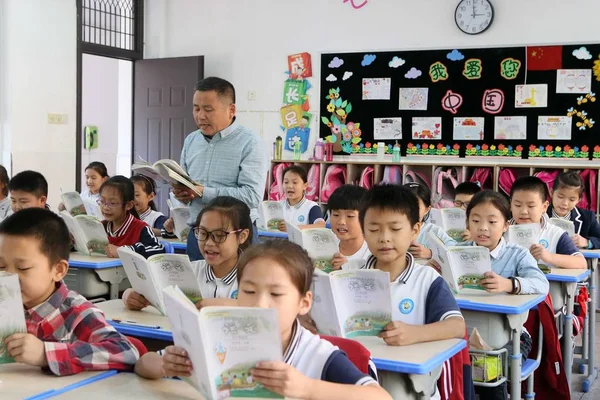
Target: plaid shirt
76,336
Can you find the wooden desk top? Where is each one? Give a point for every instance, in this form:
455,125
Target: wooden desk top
115,310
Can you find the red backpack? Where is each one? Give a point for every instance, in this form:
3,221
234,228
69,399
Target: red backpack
589,199
548,177
276,192
483,176
392,174
366,178
506,178
445,182
314,182
334,178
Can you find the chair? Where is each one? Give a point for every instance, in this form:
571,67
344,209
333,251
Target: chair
356,352
137,343
169,249
530,365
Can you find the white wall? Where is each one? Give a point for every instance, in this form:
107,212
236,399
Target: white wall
247,41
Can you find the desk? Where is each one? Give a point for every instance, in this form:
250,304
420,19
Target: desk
272,234
20,381
179,246
115,310
590,336
516,309
83,272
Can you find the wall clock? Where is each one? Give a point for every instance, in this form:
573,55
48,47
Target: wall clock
474,16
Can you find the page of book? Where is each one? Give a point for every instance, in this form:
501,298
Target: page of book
176,270
76,232
180,217
469,264
435,217
525,235
271,215
12,318
321,245
565,225
439,253
454,222
323,311
142,280
93,233
73,203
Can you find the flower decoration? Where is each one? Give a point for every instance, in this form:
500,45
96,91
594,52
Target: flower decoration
343,134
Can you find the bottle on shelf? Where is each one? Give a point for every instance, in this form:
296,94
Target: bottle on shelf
278,148
319,150
297,150
396,153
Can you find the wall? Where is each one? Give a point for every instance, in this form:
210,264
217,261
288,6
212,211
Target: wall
247,41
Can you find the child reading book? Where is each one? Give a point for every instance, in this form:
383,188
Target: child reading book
145,192
343,205
421,248
528,206
298,209
223,231
28,189
463,194
121,220
5,209
95,175
66,334
566,193
278,274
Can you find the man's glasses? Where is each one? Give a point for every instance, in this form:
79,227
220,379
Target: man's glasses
218,236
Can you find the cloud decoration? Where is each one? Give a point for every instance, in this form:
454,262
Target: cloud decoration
413,73
331,78
368,59
347,75
455,55
396,62
336,62
582,54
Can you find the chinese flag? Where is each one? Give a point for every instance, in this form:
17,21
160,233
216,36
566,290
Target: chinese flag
544,58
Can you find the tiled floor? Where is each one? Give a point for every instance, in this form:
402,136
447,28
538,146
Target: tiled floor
594,393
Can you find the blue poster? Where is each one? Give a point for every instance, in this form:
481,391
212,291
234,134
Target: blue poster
294,135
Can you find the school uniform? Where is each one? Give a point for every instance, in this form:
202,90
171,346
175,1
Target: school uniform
90,202
584,222
153,218
136,235
212,287
424,240
358,259
306,212
5,209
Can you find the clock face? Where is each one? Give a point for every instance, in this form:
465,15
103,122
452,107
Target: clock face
474,16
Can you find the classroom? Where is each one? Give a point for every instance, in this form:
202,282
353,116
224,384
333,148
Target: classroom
320,199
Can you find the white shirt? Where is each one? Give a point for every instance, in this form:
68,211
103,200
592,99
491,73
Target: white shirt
299,214
212,287
362,254
90,201
150,216
5,209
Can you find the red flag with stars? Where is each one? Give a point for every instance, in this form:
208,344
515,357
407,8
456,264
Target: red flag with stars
544,58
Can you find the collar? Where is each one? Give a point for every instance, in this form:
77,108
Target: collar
298,205
227,131
566,217
543,223
121,231
227,279
44,310
497,252
404,276
294,343
146,213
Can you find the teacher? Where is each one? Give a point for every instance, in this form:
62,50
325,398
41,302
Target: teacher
222,156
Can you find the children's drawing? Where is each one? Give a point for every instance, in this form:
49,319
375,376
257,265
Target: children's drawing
468,128
413,99
427,128
387,128
510,128
531,96
554,128
577,81
376,88
220,352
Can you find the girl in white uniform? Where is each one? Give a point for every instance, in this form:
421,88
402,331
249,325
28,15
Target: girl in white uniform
298,210
145,191
95,175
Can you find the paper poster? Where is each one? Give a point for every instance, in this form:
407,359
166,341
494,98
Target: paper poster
468,128
554,128
413,99
577,81
531,96
376,88
427,128
387,128
510,128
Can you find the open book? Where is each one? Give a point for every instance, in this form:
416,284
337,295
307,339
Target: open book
271,215
320,244
454,222
526,235
565,225
462,266
180,216
435,217
165,171
224,344
89,234
12,319
352,303
150,276
73,203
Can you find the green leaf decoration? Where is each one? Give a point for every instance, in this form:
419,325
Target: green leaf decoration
344,104
357,125
338,102
329,139
356,140
324,120
343,128
335,120
338,89
340,112
331,91
348,108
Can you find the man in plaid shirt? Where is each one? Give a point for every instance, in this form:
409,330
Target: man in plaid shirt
65,333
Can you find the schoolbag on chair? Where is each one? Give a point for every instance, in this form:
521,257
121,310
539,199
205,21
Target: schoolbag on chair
276,192
445,182
334,178
314,183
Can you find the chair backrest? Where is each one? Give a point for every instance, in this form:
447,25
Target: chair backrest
366,178
276,192
483,176
314,183
356,352
137,343
169,249
392,174
506,178
445,182
334,178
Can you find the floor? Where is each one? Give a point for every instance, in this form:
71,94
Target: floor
594,393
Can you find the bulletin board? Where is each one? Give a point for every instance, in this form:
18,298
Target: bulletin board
537,101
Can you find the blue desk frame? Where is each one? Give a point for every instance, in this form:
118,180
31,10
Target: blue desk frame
142,332
272,234
590,329
109,263
56,392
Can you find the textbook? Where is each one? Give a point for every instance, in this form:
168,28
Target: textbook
224,344
462,266
565,225
435,217
454,222
88,233
149,277
180,217
525,235
12,318
73,203
321,244
271,215
352,303
165,171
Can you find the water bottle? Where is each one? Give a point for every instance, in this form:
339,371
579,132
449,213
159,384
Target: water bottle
380,151
319,150
278,148
297,150
396,153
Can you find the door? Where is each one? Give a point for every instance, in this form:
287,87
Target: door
162,111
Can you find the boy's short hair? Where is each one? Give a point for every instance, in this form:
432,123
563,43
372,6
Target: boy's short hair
346,197
530,184
467,188
289,255
298,170
29,182
395,198
569,179
42,225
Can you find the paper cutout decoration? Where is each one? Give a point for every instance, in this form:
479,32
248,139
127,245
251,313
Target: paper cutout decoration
413,99
531,96
574,81
588,97
294,91
427,128
544,58
376,88
300,65
336,62
291,116
582,53
438,72
509,68
473,68
455,55
297,134
565,152
492,101
396,62
414,73
345,134
554,128
357,4
493,150
431,150
468,128
596,69
584,122
368,59
387,128
510,128
331,78
452,101
347,75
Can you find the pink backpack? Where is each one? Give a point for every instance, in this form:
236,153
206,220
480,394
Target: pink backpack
506,178
445,182
589,200
366,178
548,177
276,192
314,182
392,174
334,178
483,177
418,177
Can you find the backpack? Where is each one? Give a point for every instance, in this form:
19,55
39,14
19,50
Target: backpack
314,182
418,177
506,178
366,178
445,183
276,192
483,177
335,176
548,177
392,174
589,199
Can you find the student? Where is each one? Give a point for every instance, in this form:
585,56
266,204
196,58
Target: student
95,175
66,334
28,189
145,191
566,193
121,221
278,274
343,211
529,205
421,248
463,194
298,209
514,270
5,209
223,230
